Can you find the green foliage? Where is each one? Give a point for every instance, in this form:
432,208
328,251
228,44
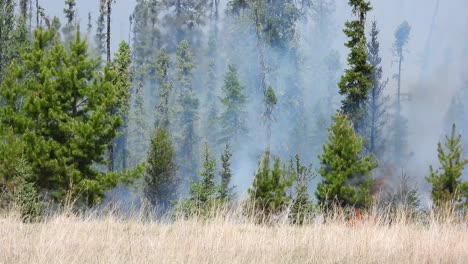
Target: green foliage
26,195
187,114
161,179
233,118
138,129
447,185
356,81
205,190
268,193
58,102
122,82
302,206
346,174
13,36
100,38
163,63
226,192
275,19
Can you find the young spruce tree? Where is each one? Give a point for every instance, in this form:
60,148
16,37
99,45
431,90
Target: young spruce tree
226,192
204,191
447,186
346,174
161,180
268,194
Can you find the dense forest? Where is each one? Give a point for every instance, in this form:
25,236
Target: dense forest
212,102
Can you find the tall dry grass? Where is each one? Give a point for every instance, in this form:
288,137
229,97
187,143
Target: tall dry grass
231,238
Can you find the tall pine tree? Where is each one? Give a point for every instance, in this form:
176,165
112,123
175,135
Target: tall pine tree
187,101
376,107
357,80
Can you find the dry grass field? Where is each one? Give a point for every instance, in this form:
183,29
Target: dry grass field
72,239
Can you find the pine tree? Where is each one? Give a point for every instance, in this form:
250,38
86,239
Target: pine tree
163,64
184,16
7,27
376,114
233,118
226,192
69,11
89,27
204,191
268,194
188,112
138,128
302,206
161,179
122,82
23,4
100,37
447,185
346,174
400,122
357,80
58,102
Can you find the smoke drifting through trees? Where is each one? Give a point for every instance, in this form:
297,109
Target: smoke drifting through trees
302,73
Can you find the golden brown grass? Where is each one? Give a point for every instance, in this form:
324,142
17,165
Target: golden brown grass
72,239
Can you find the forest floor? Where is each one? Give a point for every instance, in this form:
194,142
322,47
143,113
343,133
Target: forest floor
71,239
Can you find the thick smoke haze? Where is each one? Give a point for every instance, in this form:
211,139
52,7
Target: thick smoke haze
435,68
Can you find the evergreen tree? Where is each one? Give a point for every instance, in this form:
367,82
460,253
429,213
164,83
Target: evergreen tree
23,4
121,65
70,11
188,112
346,174
58,103
268,194
89,27
376,114
204,191
138,129
163,63
226,192
183,16
7,28
357,80
100,38
400,122
146,37
161,180
301,207
447,185
233,118
70,15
